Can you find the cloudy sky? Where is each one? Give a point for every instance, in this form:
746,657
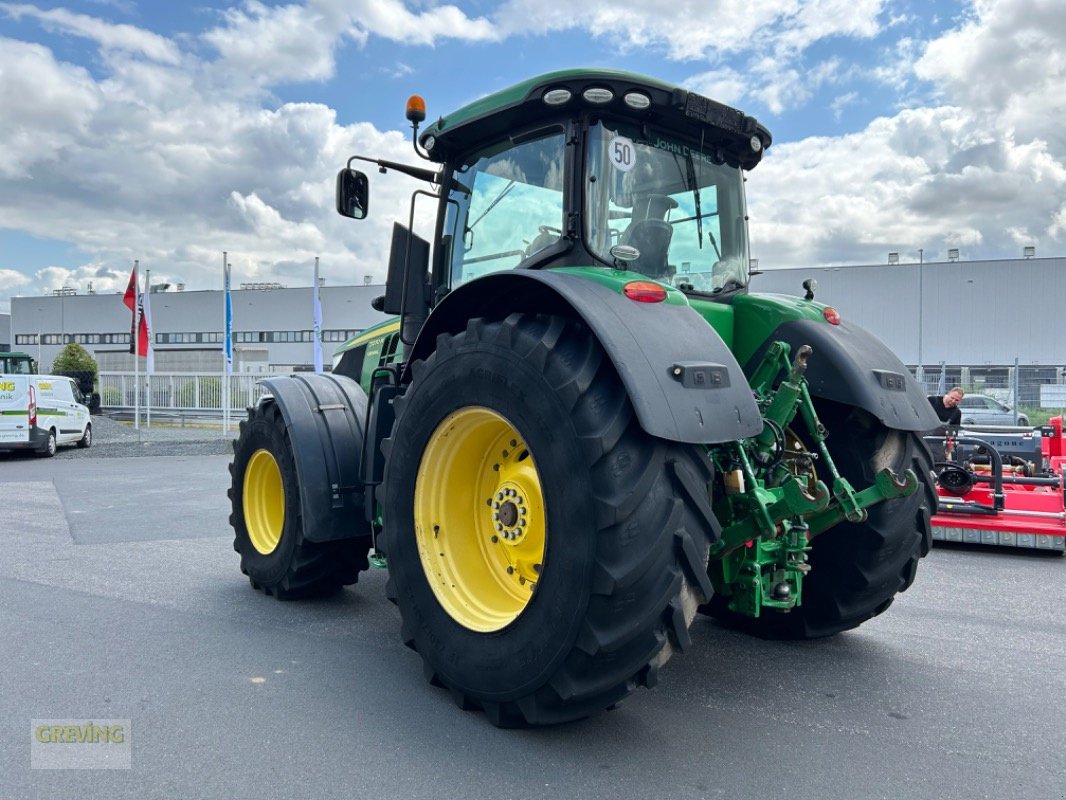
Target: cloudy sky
171,131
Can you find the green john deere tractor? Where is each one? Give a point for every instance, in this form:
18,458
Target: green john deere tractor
580,429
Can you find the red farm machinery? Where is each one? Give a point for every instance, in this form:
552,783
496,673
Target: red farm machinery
1002,486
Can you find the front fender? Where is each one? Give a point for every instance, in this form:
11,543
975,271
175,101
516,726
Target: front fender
325,415
683,381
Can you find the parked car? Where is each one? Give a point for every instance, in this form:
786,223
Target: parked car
980,409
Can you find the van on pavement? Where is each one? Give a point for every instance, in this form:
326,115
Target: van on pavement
42,412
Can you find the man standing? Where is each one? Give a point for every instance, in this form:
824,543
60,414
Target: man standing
947,407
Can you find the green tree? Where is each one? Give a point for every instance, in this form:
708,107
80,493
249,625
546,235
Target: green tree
76,362
74,359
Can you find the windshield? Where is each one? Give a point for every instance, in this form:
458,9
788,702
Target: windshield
505,205
680,215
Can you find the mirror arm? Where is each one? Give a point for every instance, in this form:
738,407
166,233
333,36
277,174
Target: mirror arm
415,172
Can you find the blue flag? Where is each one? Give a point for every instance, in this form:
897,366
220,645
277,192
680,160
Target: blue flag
228,339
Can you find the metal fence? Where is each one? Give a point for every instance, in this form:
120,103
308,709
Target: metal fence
1037,392
1040,390
178,391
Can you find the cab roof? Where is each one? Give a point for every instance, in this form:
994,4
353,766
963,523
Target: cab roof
523,104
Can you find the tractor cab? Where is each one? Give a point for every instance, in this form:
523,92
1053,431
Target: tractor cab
581,169
16,364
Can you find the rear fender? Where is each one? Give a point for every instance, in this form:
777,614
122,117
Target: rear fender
325,416
851,366
683,381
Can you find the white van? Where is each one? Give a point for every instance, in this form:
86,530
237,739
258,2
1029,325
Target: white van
41,412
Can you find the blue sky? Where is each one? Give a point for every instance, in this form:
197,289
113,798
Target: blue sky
170,132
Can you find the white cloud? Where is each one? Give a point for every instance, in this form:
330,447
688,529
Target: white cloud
296,42
12,278
109,36
843,101
919,179
986,167
172,165
45,106
696,29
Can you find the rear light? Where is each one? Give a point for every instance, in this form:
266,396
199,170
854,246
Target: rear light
832,316
644,292
33,408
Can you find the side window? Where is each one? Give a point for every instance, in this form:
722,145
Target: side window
506,205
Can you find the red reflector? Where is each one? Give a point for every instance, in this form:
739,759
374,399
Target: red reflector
832,316
644,292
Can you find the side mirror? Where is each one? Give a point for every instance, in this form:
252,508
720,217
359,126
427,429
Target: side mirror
353,193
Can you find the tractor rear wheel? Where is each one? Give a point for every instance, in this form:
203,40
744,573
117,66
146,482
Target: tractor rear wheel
267,518
857,569
546,554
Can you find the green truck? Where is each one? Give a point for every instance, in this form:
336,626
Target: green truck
580,429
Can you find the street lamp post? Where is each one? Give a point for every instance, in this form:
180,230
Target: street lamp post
40,335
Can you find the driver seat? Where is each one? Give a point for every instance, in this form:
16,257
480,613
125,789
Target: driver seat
650,233
651,237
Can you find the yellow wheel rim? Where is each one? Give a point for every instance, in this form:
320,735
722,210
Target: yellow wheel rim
479,519
264,502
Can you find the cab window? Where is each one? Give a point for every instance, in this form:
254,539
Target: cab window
676,209
505,205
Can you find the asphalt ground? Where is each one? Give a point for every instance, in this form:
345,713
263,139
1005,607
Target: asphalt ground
120,598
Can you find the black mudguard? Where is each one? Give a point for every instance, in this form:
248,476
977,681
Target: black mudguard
851,366
684,382
325,417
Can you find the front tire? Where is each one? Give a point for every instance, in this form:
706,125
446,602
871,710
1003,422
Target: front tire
267,517
857,569
525,420
86,439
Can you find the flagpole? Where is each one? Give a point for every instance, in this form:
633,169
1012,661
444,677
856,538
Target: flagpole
147,374
225,342
316,333
133,337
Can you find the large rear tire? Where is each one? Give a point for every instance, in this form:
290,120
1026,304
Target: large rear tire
546,554
857,569
267,517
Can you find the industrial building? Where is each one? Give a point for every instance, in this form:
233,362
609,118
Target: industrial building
272,327
975,317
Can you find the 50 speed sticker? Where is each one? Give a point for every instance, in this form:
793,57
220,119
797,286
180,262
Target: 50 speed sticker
622,153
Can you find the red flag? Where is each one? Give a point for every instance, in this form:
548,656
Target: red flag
142,332
130,298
